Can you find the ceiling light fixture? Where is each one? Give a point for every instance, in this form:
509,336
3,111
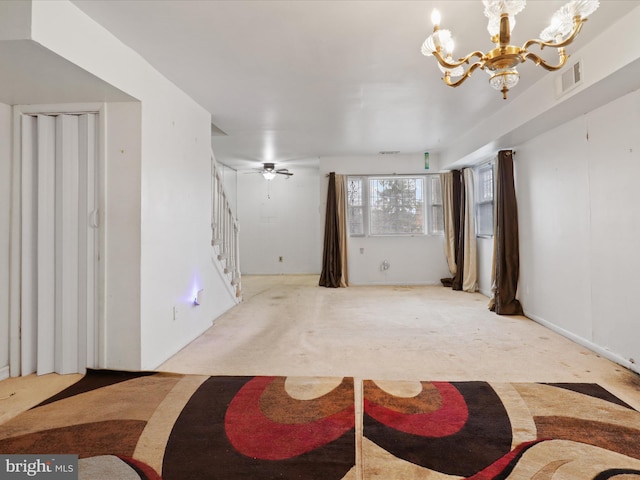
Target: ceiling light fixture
501,62
269,171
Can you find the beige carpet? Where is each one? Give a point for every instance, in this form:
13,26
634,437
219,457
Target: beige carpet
402,337
289,326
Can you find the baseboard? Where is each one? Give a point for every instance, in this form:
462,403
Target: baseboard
4,372
174,351
603,352
486,293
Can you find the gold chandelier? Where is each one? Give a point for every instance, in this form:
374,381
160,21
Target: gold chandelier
501,62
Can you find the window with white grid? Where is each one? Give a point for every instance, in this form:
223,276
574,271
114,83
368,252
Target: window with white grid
484,200
355,205
397,205
436,219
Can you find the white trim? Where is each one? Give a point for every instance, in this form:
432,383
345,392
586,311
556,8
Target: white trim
180,346
15,224
585,343
4,373
486,293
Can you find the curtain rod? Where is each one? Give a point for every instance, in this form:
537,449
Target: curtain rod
384,174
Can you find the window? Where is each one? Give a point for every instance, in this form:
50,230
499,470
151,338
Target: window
355,205
394,205
484,201
436,224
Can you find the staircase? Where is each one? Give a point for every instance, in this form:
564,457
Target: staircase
225,240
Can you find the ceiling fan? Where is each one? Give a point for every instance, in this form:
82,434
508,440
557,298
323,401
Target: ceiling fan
269,171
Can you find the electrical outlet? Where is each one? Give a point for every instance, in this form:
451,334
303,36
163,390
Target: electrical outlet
175,313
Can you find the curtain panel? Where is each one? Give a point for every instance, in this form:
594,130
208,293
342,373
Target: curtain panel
341,204
446,182
506,261
470,257
458,202
458,226
334,230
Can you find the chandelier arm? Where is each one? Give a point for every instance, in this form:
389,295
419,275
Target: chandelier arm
465,75
577,26
540,61
461,61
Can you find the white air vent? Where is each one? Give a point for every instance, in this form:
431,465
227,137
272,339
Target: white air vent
569,79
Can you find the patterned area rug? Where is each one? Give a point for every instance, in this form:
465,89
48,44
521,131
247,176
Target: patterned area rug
483,431
169,426
151,426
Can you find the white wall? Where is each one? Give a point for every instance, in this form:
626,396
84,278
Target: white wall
164,214
176,225
579,225
5,192
120,242
15,19
484,250
285,218
280,218
417,260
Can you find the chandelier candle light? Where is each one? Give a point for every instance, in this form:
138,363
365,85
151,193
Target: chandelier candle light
501,62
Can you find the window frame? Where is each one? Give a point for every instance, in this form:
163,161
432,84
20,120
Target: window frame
362,206
366,207
432,203
481,199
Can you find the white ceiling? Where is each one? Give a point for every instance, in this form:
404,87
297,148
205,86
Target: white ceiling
291,81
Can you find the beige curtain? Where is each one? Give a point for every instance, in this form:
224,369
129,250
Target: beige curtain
470,270
341,210
446,183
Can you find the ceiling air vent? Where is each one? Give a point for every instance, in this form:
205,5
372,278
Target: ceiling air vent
569,79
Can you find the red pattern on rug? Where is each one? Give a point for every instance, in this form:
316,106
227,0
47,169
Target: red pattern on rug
446,420
253,434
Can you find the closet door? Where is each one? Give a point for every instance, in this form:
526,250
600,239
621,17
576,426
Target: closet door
59,243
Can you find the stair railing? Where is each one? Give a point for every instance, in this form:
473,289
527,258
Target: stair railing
225,239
